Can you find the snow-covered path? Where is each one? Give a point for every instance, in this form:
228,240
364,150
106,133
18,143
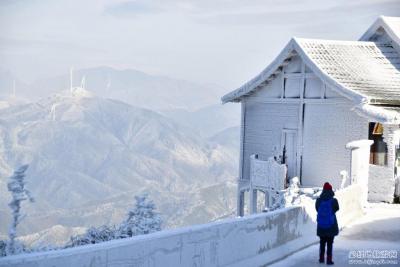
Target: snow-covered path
377,231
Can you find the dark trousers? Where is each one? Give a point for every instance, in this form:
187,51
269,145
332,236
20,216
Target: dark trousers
328,241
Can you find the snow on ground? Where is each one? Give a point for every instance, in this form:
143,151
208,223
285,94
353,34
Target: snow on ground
378,229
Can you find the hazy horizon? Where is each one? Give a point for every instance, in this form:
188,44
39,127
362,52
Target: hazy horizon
221,42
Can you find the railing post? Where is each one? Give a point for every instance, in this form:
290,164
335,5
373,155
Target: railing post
267,201
253,200
240,203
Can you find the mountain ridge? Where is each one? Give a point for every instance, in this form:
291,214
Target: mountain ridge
85,150
129,85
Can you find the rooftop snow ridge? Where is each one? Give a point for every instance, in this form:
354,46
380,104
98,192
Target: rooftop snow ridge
359,70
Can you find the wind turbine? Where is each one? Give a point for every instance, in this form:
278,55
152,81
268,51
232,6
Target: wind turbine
14,93
83,82
71,73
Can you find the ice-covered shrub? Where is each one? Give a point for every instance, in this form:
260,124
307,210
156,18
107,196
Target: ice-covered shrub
17,248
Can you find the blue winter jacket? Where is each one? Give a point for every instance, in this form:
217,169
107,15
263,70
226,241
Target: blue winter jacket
334,229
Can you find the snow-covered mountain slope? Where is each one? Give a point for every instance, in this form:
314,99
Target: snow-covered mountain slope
135,87
228,138
89,156
56,236
9,101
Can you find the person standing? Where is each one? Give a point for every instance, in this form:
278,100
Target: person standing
327,226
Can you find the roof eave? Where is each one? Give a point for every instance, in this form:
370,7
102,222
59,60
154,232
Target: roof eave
384,102
377,114
271,69
372,29
380,23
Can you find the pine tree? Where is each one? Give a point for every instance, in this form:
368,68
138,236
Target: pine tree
142,219
16,186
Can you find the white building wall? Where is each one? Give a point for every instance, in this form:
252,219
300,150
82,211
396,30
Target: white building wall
272,90
380,184
327,130
329,124
264,123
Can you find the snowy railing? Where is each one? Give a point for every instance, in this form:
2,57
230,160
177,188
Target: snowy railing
254,240
247,241
267,174
269,177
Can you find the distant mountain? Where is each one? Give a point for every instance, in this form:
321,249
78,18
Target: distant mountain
134,87
208,120
89,156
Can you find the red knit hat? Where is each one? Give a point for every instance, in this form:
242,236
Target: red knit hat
327,186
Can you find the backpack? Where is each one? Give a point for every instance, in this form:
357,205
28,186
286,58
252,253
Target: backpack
325,217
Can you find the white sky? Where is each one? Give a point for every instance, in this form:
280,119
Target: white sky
211,41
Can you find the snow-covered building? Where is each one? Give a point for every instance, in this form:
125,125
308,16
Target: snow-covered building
315,98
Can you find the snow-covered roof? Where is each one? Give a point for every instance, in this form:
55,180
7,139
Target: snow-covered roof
366,68
390,25
367,72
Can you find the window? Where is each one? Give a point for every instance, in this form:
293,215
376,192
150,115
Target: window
379,150
292,87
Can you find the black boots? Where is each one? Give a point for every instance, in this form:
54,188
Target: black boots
329,260
321,258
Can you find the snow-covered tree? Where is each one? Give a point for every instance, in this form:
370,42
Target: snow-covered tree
16,186
93,236
142,219
3,247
